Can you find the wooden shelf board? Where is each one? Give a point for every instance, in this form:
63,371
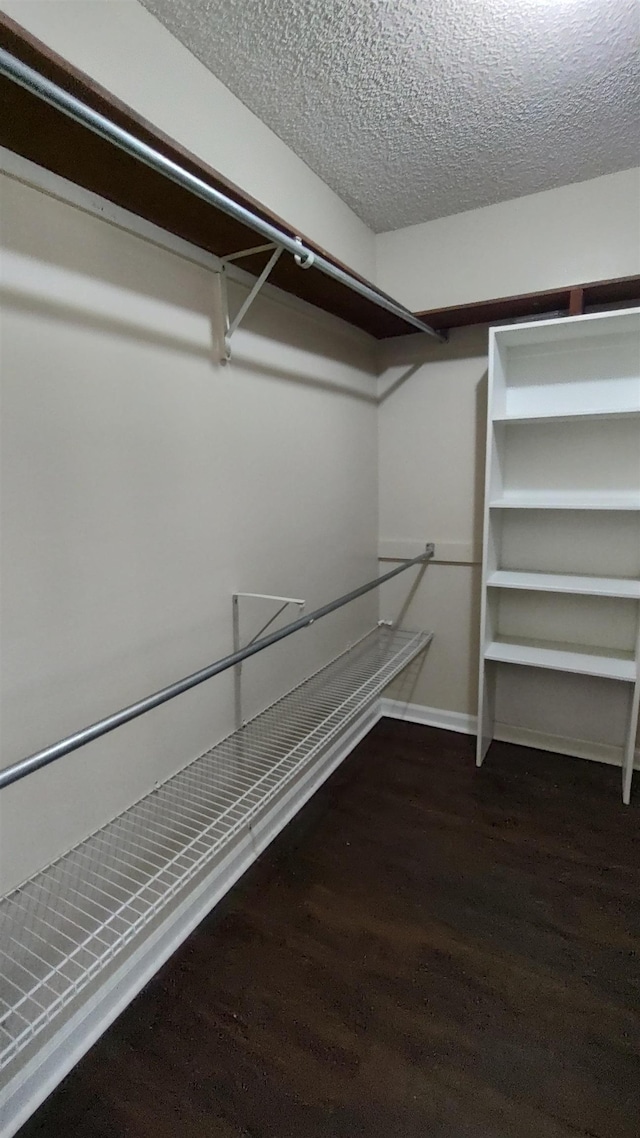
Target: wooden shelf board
560,501
46,136
584,660
620,290
565,583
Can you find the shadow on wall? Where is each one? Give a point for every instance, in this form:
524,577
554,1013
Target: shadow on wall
259,367
416,351
411,592
406,684
308,331
90,318
94,320
433,476
104,262
83,244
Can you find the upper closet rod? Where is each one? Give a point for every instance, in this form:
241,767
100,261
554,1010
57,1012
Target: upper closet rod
39,85
42,758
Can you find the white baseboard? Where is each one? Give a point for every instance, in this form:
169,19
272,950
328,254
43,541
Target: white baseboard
504,733
429,716
560,744
36,1079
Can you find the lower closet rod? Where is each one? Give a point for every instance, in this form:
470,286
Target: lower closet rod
56,751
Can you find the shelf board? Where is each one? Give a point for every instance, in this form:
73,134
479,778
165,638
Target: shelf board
582,659
46,136
542,500
555,302
565,583
579,416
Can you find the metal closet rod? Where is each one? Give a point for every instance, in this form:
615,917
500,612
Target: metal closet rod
40,759
39,85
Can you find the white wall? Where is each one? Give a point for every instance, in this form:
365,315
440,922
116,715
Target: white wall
123,47
584,232
431,425
142,484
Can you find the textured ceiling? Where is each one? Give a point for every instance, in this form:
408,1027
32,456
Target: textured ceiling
415,109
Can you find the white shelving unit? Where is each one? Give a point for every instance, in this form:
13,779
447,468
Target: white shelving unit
560,622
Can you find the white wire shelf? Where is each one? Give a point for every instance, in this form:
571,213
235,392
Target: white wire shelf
69,922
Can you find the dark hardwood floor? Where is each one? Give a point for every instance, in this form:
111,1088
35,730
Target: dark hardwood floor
428,952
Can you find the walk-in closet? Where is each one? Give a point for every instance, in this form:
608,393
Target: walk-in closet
320,569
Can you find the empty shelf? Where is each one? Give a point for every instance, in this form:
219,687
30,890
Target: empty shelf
568,416
565,583
583,659
565,501
66,925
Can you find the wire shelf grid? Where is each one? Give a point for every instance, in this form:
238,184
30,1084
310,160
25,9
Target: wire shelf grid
64,925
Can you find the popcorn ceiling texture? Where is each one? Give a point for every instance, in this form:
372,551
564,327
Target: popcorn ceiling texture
416,109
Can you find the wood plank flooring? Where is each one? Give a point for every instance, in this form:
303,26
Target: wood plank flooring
429,951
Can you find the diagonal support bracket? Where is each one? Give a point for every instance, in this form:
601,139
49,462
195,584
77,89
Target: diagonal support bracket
227,327
283,603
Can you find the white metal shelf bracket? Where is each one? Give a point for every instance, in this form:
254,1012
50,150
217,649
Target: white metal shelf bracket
237,671
304,260
227,326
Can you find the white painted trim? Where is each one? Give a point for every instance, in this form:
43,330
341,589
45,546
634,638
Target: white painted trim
504,732
429,716
517,333
31,1085
446,552
39,178
578,748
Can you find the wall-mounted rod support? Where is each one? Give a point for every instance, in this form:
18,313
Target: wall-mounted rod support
248,252
283,603
80,738
75,109
248,301
272,597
